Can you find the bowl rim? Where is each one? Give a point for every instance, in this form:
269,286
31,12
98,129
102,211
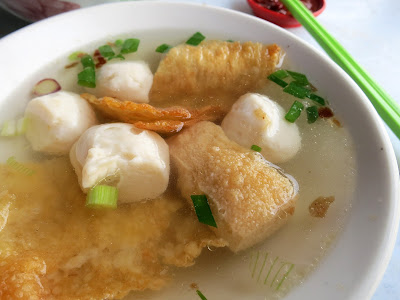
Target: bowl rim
365,289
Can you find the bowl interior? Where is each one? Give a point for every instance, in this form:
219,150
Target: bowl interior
356,262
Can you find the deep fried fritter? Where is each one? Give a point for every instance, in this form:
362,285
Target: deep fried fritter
249,198
214,66
144,116
53,247
130,112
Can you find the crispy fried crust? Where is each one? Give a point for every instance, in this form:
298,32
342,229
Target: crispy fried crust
249,198
161,120
52,247
214,66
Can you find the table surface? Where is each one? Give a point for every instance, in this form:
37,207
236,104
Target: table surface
368,30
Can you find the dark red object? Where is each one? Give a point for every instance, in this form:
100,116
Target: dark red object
35,10
325,112
275,12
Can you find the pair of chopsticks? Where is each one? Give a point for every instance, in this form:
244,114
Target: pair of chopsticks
386,107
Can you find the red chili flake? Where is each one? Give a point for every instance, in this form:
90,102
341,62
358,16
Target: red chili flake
325,112
99,59
96,53
71,65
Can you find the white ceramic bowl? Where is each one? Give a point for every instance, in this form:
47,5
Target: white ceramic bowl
356,263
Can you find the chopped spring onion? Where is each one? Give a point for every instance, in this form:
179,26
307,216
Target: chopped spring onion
317,99
9,128
14,127
230,41
164,48
102,196
195,39
294,111
46,86
22,125
19,167
106,51
120,56
76,55
202,297
256,148
129,46
297,90
281,74
312,114
300,78
203,210
119,43
277,80
87,61
87,77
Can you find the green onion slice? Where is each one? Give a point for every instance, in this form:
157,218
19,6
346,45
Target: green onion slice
195,39
14,127
17,166
312,114
294,111
202,297
87,61
297,90
9,128
22,125
163,48
87,77
277,80
300,78
281,74
119,43
203,210
256,148
120,56
106,51
317,99
130,46
102,196
76,55
230,41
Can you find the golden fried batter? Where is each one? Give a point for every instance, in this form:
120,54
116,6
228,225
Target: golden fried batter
130,112
249,198
161,120
51,246
214,66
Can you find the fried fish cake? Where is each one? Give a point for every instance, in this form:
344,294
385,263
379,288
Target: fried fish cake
145,116
214,67
52,247
249,198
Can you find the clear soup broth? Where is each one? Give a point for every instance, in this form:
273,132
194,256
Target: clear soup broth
325,166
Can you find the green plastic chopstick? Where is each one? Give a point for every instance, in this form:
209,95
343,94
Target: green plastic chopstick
386,107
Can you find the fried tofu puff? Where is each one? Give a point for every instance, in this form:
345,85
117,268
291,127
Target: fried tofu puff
257,120
249,198
127,80
136,160
57,120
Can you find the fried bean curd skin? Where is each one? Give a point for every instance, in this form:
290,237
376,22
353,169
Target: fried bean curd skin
249,198
161,120
214,67
66,251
